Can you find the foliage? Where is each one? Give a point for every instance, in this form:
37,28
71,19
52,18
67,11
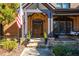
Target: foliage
28,36
60,50
10,45
1,42
22,41
45,35
65,50
8,11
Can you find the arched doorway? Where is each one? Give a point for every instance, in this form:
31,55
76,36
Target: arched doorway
62,25
38,24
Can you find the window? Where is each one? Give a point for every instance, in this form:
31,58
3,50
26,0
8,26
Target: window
66,5
59,5
63,5
62,27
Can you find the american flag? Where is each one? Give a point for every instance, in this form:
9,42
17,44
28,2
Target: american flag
19,17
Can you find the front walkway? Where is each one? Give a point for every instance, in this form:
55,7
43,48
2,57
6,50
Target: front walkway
34,49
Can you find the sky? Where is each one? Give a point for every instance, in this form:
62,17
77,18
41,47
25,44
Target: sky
39,1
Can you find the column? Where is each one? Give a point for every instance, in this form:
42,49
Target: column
48,25
51,24
25,32
23,26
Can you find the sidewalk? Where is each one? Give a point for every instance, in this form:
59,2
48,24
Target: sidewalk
34,51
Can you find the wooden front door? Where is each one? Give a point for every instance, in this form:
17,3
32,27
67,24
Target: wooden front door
37,28
37,24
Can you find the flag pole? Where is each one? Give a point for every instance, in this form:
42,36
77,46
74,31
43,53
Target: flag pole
18,37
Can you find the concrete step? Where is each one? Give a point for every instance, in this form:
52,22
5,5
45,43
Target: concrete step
32,44
36,43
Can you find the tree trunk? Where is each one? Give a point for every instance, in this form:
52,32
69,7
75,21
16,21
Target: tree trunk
1,31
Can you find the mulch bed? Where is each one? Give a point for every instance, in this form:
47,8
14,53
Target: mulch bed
14,52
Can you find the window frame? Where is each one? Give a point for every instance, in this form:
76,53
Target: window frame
67,5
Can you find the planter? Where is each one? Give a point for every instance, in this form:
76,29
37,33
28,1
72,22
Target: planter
26,42
46,40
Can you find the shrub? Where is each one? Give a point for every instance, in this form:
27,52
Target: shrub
28,36
1,42
65,50
60,50
45,35
75,52
22,41
9,45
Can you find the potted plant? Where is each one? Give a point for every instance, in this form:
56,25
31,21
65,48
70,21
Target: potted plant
45,37
28,36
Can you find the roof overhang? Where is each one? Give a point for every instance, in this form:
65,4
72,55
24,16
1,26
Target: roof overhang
47,5
56,11
66,11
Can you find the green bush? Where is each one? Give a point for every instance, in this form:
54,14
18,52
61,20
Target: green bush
65,50
45,35
22,41
1,42
9,45
75,52
60,50
28,36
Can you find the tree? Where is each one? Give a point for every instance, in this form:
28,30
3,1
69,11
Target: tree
8,13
